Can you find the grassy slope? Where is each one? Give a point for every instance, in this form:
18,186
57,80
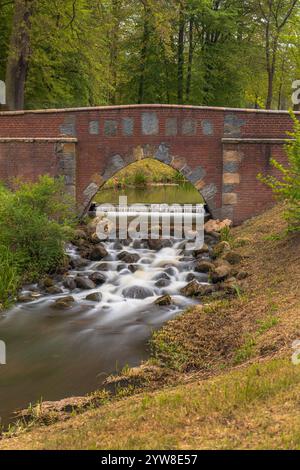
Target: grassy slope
152,170
233,384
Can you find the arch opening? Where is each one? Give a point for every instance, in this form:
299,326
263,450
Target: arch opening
150,180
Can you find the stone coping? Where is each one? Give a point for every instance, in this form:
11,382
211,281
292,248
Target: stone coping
247,140
146,106
38,139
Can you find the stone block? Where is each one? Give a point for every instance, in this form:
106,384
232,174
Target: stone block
200,185
162,153
231,178
149,123
209,191
69,126
69,148
189,127
94,127
127,126
232,125
178,163
138,153
171,127
207,127
229,198
232,156
197,174
228,188
230,167
110,128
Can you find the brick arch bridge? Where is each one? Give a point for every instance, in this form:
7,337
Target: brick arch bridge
220,150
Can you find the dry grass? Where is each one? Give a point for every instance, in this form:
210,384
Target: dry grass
263,321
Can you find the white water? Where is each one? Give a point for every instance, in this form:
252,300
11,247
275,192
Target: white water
52,354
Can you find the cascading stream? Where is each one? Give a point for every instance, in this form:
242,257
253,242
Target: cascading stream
53,353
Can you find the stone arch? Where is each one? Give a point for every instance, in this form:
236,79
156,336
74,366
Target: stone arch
196,175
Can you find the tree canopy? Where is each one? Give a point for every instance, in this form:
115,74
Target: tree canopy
95,52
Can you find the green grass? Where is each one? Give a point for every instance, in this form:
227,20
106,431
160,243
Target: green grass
145,172
220,413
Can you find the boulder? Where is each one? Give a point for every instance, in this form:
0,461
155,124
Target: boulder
220,248
97,253
97,278
242,275
232,257
216,225
53,290
69,283
200,251
129,258
84,283
221,272
95,297
229,286
164,300
136,245
78,263
171,271
204,266
24,298
103,267
94,239
161,275
200,277
162,283
133,267
64,302
47,282
80,234
117,246
191,289
137,292
194,288
158,244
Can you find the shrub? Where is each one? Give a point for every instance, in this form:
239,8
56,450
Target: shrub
140,178
9,279
35,223
288,187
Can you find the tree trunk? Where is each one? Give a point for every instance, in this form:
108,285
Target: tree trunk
114,50
144,51
180,58
190,59
18,56
270,90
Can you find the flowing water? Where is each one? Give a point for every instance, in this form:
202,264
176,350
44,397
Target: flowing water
53,354
185,193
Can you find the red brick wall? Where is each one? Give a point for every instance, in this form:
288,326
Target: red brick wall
198,154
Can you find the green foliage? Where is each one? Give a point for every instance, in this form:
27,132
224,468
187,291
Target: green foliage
226,234
9,279
287,187
246,351
35,224
88,52
140,178
267,324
